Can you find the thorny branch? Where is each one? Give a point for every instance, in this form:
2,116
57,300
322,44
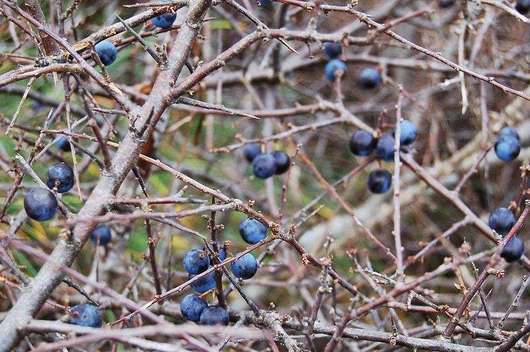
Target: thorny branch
328,279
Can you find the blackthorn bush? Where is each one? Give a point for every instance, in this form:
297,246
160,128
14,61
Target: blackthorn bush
150,160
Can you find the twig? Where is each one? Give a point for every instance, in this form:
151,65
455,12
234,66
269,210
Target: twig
396,184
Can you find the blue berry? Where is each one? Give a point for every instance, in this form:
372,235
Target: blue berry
507,148
101,235
40,204
522,6
61,176
282,161
509,132
107,52
204,284
501,220
513,250
164,21
265,3
407,132
85,315
245,266
221,255
446,3
379,181
332,68
370,78
62,143
362,143
192,306
332,50
214,315
251,151
196,261
384,149
264,166
252,231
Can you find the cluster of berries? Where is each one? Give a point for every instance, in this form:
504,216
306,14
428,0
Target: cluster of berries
196,261
193,307
502,220
40,204
265,165
364,143
369,78
108,52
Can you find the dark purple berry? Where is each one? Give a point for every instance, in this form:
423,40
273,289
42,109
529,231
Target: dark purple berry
444,4
379,181
384,149
252,231
164,21
522,6
501,220
245,266
251,151
85,315
196,261
332,50
362,143
107,52
60,177
62,143
214,315
40,204
192,306
370,78
101,235
332,69
507,148
282,161
513,250
264,166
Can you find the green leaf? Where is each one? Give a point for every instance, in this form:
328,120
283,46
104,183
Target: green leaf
109,316
137,242
24,263
8,145
220,24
